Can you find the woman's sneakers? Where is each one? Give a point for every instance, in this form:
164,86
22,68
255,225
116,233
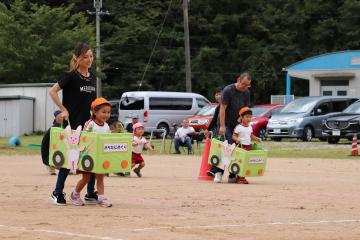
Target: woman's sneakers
91,199
58,198
103,201
76,199
218,177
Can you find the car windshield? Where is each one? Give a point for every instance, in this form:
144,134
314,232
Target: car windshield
131,103
208,110
258,111
353,108
300,105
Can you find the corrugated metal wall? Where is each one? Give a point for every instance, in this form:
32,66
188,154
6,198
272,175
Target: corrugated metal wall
44,107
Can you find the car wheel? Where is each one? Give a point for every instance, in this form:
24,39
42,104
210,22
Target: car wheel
214,160
262,133
307,134
276,139
87,163
235,168
350,138
333,140
165,127
58,159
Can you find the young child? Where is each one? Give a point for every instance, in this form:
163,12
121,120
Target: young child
46,142
100,109
243,135
139,143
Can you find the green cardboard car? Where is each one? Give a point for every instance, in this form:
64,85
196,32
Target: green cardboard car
91,152
237,160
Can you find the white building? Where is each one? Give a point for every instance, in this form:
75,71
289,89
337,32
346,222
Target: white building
43,106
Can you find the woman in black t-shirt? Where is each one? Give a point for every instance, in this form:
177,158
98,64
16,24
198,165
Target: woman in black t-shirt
79,90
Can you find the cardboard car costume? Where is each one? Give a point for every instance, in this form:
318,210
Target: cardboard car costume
237,160
89,151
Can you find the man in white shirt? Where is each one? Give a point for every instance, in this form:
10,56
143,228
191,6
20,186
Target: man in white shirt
182,137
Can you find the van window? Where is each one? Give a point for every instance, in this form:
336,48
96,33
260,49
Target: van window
324,108
300,105
201,102
338,106
131,103
159,103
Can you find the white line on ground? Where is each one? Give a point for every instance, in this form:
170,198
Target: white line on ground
55,232
249,225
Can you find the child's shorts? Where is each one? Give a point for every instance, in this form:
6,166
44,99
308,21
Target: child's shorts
246,147
136,158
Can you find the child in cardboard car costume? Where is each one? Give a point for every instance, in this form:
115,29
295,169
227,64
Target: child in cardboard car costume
96,151
241,158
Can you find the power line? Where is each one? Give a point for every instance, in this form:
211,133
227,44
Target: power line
153,50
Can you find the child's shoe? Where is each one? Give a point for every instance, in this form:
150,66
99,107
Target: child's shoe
218,177
210,173
58,198
91,199
137,171
104,202
76,200
242,180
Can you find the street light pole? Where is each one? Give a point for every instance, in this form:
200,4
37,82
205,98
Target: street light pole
187,45
98,13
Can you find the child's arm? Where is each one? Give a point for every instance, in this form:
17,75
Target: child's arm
235,137
255,138
135,143
148,147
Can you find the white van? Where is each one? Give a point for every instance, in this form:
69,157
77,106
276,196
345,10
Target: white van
159,110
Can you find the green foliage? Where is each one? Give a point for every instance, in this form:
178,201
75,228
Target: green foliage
227,37
36,41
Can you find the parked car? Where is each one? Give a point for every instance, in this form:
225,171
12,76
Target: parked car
202,119
261,115
159,110
302,118
343,125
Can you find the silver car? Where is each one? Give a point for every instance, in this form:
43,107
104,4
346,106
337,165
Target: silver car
159,110
303,117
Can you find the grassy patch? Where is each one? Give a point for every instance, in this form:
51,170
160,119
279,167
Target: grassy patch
5,149
285,149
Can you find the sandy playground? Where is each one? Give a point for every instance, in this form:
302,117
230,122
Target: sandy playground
296,199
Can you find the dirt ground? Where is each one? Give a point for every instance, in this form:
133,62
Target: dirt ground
296,199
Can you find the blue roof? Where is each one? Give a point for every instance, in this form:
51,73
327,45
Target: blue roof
329,61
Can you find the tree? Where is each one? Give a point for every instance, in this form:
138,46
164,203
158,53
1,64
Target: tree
36,41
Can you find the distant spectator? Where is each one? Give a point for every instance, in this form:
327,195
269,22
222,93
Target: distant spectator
213,126
183,137
134,120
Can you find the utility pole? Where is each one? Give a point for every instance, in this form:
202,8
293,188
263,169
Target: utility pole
187,45
98,13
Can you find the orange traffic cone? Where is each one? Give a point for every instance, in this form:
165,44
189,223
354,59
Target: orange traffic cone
205,166
354,147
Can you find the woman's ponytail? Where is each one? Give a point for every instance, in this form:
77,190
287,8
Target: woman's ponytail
73,63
